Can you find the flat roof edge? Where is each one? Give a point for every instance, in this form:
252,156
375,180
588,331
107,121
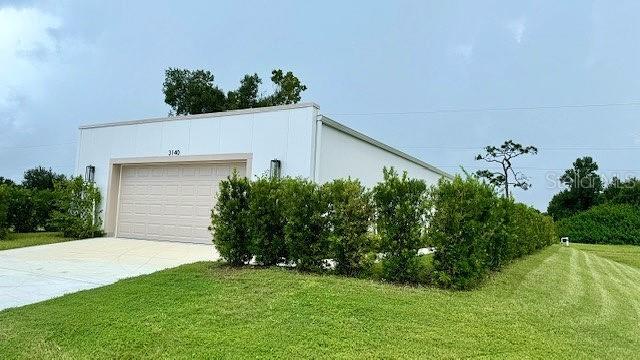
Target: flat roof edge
347,130
203,116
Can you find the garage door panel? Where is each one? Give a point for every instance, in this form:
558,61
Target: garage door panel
125,227
188,171
204,190
155,209
170,201
172,189
201,233
205,171
139,228
223,171
203,211
187,190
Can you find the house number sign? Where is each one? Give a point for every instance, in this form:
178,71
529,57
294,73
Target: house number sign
174,152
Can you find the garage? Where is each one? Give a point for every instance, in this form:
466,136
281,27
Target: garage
159,177
170,202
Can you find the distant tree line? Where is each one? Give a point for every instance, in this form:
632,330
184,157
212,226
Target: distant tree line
588,211
47,201
584,189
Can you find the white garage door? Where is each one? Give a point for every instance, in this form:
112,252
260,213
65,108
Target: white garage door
170,202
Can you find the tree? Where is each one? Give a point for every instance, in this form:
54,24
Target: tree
504,156
583,189
6,181
622,192
40,178
288,89
32,202
247,94
194,92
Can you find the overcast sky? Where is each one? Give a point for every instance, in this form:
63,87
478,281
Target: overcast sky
437,79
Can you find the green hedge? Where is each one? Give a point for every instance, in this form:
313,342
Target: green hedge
266,221
297,222
77,212
603,224
462,228
350,215
22,209
4,206
230,220
294,221
306,229
400,211
475,231
72,207
32,209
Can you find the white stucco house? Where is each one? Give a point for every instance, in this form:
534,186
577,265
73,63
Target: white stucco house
159,177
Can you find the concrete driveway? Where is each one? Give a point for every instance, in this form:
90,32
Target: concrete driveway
37,273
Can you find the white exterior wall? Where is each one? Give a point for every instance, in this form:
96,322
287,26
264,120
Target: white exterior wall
343,155
287,134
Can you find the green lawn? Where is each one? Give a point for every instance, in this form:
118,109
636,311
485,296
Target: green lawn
564,302
626,254
30,239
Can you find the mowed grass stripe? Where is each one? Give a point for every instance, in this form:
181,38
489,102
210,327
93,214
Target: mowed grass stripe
563,302
626,287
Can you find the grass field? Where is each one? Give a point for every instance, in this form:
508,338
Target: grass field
564,302
626,254
14,240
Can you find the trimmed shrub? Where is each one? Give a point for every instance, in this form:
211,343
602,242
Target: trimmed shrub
547,231
22,210
31,209
45,203
307,225
529,229
462,228
32,204
229,220
532,230
78,214
603,224
350,212
501,240
476,231
400,210
4,207
267,221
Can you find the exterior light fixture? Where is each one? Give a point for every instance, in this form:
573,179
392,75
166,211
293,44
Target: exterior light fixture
274,169
90,173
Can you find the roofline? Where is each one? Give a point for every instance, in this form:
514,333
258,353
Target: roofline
203,116
347,130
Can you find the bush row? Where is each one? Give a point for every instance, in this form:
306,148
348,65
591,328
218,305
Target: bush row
295,221
29,209
4,207
77,211
603,224
475,231
69,206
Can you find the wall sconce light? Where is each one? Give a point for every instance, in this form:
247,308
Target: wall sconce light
90,173
274,169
